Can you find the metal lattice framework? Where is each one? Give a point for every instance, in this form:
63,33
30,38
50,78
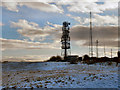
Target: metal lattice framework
65,39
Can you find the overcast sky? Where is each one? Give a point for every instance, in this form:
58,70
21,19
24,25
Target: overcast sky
32,30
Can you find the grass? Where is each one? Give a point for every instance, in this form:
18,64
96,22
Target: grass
42,79
48,82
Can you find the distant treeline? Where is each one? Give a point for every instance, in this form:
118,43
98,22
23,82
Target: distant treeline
92,60
84,59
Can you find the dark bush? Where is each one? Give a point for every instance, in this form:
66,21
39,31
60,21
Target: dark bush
86,57
58,58
55,58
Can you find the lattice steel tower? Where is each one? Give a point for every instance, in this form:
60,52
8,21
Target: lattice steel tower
65,39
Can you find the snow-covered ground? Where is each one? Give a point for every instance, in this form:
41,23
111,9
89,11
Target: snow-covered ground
59,75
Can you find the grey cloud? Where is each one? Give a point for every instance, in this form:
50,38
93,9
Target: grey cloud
105,34
22,44
108,43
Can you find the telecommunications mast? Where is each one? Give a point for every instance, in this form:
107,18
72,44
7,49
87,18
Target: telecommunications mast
65,39
91,43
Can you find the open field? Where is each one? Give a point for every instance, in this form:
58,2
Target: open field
59,75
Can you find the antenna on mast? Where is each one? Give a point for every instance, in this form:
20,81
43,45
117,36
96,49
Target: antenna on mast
65,39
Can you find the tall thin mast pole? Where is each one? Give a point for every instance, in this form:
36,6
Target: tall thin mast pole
111,53
97,48
91,35
104,51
